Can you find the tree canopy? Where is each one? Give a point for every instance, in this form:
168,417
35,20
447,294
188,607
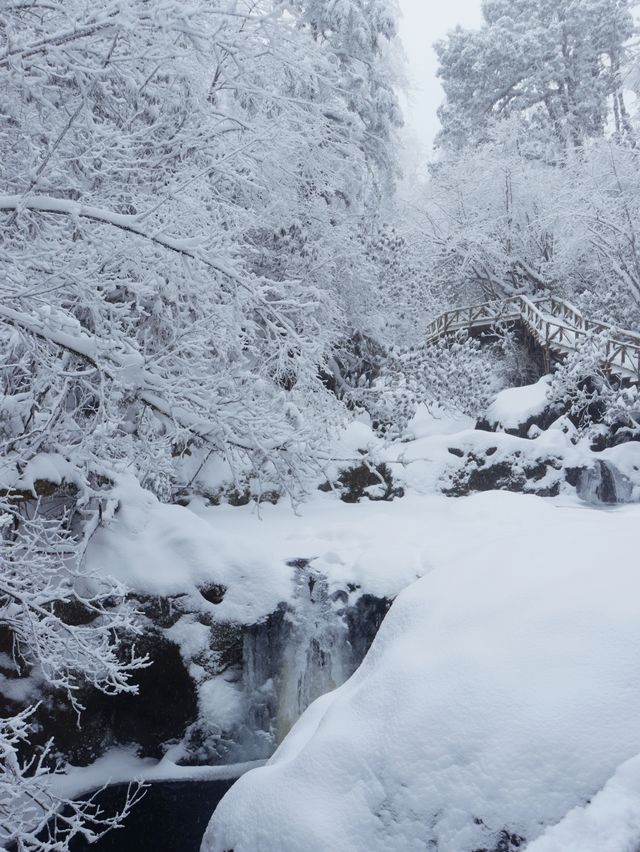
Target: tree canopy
553,63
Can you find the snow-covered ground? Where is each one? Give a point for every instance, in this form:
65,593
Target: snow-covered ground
161,549
500,693
383,546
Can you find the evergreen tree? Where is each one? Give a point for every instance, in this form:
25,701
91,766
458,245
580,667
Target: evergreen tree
553,63
359,34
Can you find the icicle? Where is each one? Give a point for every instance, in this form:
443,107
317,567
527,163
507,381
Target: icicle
603,484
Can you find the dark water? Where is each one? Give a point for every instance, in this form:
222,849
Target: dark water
172,817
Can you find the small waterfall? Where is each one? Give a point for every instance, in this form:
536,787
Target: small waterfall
300,652
317,657
603,484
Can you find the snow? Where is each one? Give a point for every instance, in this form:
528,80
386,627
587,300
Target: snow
626,457
500,693
433,420
500,690
159,549
222,702
50,467
609,823
122,765
192,636
514,406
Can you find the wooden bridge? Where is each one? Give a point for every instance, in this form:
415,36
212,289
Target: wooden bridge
555,325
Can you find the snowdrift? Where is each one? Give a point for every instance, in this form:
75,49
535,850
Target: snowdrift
500,694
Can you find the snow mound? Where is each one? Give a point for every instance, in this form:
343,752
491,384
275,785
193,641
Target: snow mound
164,550
500,694
48,467
609,823
515,406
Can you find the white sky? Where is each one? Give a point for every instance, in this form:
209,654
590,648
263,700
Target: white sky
422,22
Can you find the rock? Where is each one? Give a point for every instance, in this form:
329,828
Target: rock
602,483
517,411
374,483
214,592
363,622
166,704
505,842
73,612
541,476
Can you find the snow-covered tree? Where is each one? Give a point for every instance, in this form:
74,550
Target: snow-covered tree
556,64
184,188
359,36
63,630
596,401
496,223
183,200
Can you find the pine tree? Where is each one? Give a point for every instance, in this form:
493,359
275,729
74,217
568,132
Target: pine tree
554,63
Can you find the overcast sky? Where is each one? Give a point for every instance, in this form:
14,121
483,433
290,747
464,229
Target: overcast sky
422,22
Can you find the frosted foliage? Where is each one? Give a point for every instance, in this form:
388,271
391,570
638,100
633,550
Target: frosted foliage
555,64
456,376
587,391
536,185
183,192
497,223
40,586
359,34
176,181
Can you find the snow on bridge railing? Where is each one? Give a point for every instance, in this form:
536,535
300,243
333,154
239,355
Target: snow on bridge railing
556,325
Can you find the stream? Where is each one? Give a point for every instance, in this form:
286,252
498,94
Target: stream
172,817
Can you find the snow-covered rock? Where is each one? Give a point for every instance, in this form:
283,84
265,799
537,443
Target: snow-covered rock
517,410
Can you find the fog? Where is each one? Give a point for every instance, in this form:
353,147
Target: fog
424,21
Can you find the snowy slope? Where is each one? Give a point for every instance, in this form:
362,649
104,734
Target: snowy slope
501,693
608,823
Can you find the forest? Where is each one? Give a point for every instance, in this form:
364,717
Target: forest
319,469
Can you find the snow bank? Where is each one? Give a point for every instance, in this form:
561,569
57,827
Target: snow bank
164,550
158,549
500,693
122,766
514,406
609,823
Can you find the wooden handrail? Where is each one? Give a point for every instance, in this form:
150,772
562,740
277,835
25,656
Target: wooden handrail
555,323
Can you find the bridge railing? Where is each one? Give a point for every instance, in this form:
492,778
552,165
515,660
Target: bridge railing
474,316
565,310
557,325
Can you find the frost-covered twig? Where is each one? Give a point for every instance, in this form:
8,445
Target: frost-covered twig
33,817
